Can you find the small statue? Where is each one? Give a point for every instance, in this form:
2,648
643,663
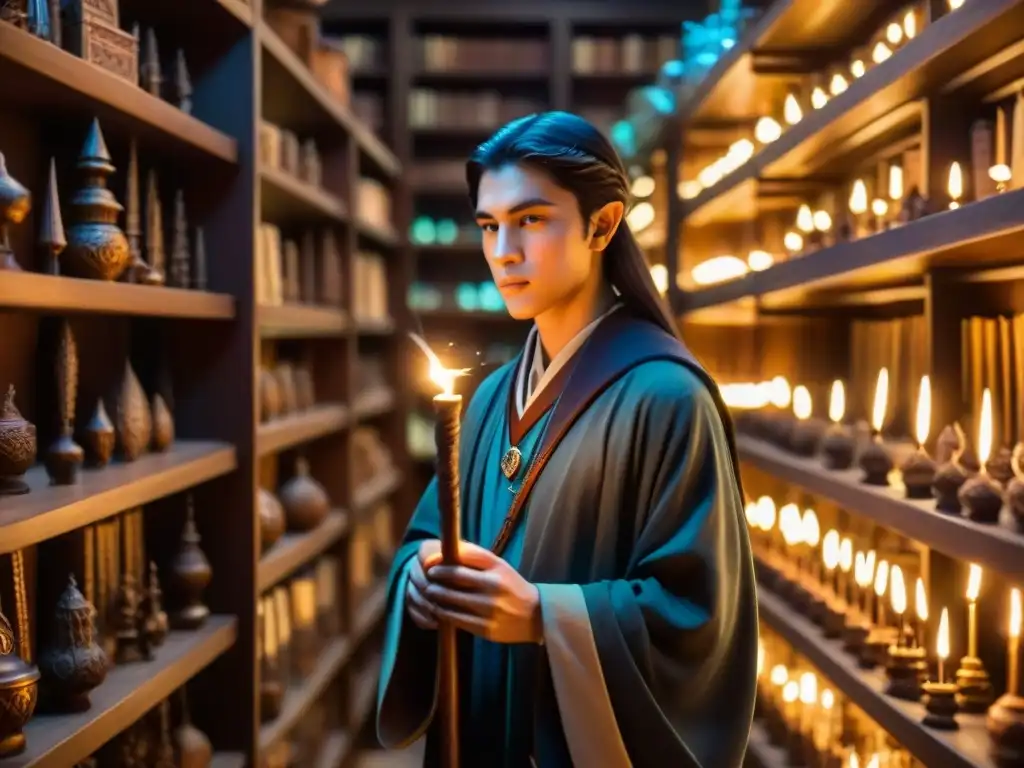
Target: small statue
126,621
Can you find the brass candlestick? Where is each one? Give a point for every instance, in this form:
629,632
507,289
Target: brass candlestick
876,462
975,687
875,650
940,704
1005,724
906,669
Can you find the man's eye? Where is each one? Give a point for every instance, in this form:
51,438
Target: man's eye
489,227
532,219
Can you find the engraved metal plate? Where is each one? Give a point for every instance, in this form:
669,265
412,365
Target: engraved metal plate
511,462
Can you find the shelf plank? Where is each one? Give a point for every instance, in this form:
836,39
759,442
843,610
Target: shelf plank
228,760
299,698
300,321
997,547
965,748
128,692
295,550
381,327
52,510
286,198
373,403
953,43
70,295
36,72
739,86
335,750
284,72
289,431
384,236
761,752
376,489
241,11
973,236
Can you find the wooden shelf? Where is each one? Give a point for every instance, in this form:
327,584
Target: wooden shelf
376,489
877,107
301,696
290,431
741,84
385,237
997,547
373,403
977,235
35,72
965,748
69,295
300,321
127,693
311,105
286,198
383,327
52,510
295,550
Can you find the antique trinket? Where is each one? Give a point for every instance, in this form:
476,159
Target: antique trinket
17,447
94,34
15,203
19,678
65,456
73,665
191,573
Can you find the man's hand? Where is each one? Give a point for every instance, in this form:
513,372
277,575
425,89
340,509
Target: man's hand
483,595
418,607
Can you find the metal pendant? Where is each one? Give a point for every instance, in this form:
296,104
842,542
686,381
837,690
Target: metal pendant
511,462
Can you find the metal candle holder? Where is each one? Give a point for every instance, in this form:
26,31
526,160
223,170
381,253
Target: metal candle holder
876,463
1005,723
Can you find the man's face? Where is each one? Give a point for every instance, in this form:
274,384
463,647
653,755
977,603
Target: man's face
534,240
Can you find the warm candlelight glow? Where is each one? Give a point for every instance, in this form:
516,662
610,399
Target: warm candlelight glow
942,641
791,692
920,601
910,25
822,221
791,111
894,33
1015,613
859,198
808,688
985,428
791,524
837,84
845,555
857,68
758,260
880,52
767,130
881,400
805,219
766,513
854,761
779,675
750,511
955,185
830,549
837,402
818,97
895,182
802,406
793,241
1000,174
760,658
780,392
441,376
1013,672
881,577
811,528
875,761
924,412
897,591
828,699
973,582
954,4
879,207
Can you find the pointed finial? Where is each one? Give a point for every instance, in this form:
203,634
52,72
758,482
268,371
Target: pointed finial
95,145
51,224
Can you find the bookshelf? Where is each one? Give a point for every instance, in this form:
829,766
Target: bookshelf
887,213
254,343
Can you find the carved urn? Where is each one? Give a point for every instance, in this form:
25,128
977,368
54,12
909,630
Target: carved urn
18,689
73,664
17,447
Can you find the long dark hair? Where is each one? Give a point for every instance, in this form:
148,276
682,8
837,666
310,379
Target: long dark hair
579,158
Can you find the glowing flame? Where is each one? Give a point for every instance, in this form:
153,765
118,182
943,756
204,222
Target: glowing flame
910,25
802,406
920,600
830,549
822,221
955,185
828,699
760,658
1015,613
791,691
808,688
854,761
793,241
973,582
924,411
845,554
791,524
818,97
781,395
805,219
985,427
837,402
857,68
895,182
942,641
859,197
766,513
881,52
779,675
791,111
811,529
875,762
837,84
894,33
879,207
881,398
897,590
441,376
881,577
767,130
750,511
859,563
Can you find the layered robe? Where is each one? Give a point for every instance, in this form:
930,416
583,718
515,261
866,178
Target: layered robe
628,516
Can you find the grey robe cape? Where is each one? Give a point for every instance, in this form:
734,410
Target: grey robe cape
636,537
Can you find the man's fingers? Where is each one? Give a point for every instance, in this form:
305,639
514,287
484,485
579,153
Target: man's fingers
417,599
465,621
421,620
461,577
475,603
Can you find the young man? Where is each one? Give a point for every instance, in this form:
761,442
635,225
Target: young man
605,588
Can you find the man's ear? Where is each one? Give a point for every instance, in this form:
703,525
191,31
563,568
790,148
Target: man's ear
604,225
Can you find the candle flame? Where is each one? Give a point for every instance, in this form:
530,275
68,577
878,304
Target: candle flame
808,688
857,68
860,576
750,512
897,590
822,221
924,411
879,207
791,111
828,699
895,182
880,52
780,392
1015,613
791,524
942,641
875,762
837,402
441,376
894,32
818,97
920,600
791,691
837,84
811,529
805,219
955,185
802,407
881,398
854,761
859,197
985,427
881,577
910,25
830,549
845,555
766,513
793,241
779,675
973,582
767,130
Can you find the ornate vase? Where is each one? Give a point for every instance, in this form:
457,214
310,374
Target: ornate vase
17,447
305,501
74,664
192,573
15,203
19,679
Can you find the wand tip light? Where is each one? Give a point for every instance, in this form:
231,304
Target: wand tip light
441,376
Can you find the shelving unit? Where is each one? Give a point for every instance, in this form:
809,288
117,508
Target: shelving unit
908,283
205,346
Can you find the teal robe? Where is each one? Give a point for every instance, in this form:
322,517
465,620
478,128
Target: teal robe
632,527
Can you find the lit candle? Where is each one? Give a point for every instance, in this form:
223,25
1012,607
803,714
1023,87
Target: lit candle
767,130
808,698
859,197
791,526
802,404
875,460
881,582
870,564
767,517
924,412
910,24
845,564
790,696
830,557
881,52
954,4
895,182
898,597
857,68
837,402
942,644
818,97
981,495
955,186
921,609
880,209
778,677
859,578
894,33
881,401
791,111
812,537
822,221
837,84
875,761
1013,674
805,219
793,241
973,590
828,701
